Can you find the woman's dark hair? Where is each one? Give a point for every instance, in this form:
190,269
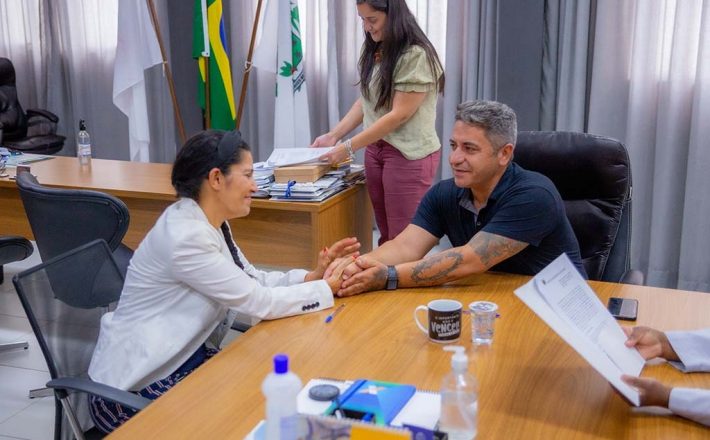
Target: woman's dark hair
201,153
401,31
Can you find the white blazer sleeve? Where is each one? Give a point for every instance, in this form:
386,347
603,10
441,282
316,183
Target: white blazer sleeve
198,262
691,403
693,349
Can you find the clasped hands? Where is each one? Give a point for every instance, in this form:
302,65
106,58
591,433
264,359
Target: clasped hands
357,275
333,260
346,272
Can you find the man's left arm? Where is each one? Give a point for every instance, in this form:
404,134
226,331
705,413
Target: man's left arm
482,252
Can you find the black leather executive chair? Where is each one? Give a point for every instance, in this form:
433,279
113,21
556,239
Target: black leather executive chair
31,132
13,248
64,299
62,219
593,175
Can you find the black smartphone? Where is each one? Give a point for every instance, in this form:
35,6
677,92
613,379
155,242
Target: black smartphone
623,308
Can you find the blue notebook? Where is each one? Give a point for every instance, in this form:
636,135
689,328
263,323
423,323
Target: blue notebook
374,401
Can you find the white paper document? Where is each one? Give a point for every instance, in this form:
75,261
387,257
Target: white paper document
282,157
565,301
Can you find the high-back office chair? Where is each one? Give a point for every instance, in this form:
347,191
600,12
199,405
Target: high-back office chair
62,219
593,175
13,249
64,299
31,132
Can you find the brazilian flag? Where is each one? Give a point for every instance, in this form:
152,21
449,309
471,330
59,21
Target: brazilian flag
222,109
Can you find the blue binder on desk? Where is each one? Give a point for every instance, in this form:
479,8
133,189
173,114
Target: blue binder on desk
374,401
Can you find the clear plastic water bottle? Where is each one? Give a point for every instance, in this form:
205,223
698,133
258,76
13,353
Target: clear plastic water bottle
459,398
83,145
281,389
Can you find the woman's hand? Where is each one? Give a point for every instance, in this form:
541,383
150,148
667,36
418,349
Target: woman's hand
324,140
334,280
341,248
650,343
651,391
336,155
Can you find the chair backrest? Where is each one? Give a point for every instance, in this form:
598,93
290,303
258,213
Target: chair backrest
593,175
62,219
12,117
64,299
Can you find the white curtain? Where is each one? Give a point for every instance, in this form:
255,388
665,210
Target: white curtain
651,89
19,34
469,63
564,65
64,52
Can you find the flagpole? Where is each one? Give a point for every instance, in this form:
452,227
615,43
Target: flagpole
247,65
168,73
206,61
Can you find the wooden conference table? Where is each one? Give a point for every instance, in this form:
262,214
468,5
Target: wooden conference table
278,234
532,384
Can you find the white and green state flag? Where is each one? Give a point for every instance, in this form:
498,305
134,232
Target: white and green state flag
280,50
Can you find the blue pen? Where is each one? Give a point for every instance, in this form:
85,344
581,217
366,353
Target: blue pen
335,312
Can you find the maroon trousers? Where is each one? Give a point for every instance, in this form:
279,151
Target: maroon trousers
396,185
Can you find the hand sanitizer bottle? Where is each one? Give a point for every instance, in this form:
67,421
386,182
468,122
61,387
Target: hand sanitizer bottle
459,398
83,145
281,391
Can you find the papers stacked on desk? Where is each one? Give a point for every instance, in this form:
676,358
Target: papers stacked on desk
263,175
282,157
331,183
14,159
316,191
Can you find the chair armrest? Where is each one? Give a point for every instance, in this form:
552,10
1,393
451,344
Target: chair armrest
98,389
31,112
633,276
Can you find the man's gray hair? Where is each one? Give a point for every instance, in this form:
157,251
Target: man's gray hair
496,118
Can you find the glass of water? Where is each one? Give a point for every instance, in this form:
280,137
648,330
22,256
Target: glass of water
483,319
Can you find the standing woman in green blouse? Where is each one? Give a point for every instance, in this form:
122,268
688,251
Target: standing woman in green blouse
400,76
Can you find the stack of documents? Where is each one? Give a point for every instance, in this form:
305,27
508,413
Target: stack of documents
316,191
282,157
264,176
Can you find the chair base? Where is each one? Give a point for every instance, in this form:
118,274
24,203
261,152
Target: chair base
40,392
14,346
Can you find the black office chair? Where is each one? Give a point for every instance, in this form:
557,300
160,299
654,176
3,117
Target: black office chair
13,249
64,299
31,132
593,175
62,219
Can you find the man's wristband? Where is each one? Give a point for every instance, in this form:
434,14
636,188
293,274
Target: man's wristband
392,279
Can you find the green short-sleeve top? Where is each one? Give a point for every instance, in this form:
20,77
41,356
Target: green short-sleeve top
417,137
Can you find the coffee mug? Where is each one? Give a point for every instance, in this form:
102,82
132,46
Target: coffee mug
444,318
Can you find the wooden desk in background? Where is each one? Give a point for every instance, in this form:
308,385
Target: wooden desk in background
279,234
532,385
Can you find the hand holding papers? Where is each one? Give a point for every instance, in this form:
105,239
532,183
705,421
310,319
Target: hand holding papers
563,299
295,156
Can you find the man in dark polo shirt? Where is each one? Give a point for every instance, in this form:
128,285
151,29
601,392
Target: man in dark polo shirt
497,215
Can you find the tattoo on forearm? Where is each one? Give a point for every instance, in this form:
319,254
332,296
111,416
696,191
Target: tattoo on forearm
435,269
491,247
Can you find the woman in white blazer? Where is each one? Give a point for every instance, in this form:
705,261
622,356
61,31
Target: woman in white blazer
688,351
188,276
